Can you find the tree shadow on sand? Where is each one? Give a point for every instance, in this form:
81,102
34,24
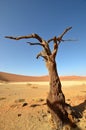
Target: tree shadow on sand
79,111
80,108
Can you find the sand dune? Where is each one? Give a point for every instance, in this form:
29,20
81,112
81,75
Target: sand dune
21,78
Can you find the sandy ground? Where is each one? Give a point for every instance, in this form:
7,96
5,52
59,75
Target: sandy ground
23,105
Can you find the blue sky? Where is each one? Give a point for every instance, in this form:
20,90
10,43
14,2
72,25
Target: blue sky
48,18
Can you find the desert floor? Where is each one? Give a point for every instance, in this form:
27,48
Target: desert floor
23,105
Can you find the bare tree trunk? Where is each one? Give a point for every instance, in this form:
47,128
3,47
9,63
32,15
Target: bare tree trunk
56,98
58,108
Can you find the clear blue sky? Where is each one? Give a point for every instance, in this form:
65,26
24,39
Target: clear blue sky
48,18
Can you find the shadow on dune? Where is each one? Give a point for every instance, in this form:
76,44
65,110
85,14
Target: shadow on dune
3,79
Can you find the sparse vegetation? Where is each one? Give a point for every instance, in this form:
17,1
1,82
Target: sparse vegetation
20,100
2,98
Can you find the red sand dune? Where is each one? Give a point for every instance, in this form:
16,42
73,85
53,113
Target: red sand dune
21,78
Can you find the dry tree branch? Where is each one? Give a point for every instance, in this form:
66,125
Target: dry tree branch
54,52
50,40
59,39
70,40
65,31
42,43
42,54
35,44
36,36
25,37
46,49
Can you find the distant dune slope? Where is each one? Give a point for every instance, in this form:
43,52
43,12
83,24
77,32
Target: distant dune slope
21,78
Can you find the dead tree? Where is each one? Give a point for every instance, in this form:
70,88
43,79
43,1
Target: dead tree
61,112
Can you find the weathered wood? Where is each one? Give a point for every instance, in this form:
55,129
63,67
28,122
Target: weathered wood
34,35
61,112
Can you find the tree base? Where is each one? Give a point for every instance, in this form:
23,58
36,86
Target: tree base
63,117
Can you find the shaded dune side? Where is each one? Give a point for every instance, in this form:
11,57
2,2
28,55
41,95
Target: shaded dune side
21,78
